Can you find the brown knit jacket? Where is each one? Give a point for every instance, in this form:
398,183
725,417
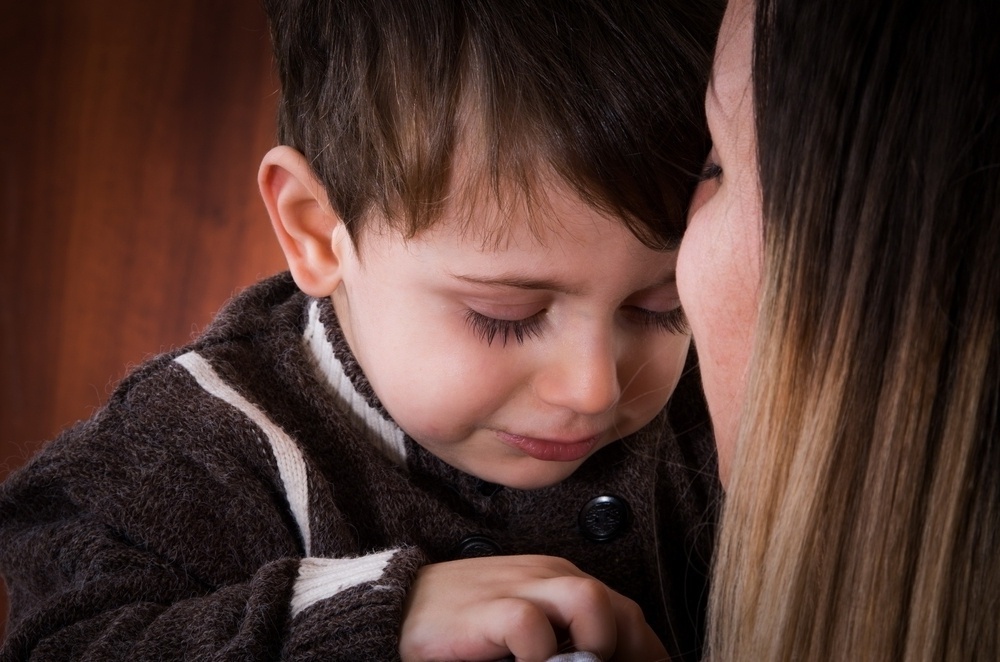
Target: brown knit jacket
247,498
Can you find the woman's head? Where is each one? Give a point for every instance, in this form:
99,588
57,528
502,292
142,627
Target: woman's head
863,508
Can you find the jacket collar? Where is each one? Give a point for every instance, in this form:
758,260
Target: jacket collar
340,370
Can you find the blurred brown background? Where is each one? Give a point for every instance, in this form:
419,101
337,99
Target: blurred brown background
130,133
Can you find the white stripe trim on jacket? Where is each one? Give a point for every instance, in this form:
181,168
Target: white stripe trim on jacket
321,578
291,464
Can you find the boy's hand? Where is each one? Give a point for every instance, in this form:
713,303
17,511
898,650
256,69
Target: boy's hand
526,606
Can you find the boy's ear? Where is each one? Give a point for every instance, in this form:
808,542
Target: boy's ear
311,234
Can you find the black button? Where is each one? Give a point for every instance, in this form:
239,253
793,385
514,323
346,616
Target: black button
604,518
478,546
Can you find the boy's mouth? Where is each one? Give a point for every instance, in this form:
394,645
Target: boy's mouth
550,450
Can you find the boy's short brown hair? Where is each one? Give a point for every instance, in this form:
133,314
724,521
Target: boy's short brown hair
380,94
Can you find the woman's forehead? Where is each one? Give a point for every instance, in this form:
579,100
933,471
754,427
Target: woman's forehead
730,84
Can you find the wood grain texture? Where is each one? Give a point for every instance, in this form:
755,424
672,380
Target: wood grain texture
131,136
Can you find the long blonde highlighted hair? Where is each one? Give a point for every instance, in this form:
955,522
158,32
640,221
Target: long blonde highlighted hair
862,520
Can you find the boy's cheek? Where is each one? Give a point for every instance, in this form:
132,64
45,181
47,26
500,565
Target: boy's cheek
655,377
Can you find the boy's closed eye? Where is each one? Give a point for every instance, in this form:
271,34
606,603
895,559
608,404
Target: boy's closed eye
525,322
658,307
492,328
670,321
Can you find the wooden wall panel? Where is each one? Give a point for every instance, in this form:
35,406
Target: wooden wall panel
130,134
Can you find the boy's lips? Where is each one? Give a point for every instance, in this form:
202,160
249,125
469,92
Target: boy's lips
550,450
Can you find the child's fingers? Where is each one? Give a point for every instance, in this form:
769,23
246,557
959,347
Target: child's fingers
525,625
490,630
583,607
598,619
636,640
481,609
522,628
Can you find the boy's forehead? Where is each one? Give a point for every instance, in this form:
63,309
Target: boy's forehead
493,207
538,212
484,217
495,216
499,192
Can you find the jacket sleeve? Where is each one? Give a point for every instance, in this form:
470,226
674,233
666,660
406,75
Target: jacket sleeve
97,598
120,544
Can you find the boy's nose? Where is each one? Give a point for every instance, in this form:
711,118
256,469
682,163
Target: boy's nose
581,377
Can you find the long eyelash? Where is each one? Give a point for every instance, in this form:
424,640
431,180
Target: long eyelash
672,321
488,328
710,171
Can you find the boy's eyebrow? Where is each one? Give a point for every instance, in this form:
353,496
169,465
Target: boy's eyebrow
522,283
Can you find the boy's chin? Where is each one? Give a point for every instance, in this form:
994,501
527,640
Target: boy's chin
542,475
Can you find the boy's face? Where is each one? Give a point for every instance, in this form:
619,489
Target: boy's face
515,363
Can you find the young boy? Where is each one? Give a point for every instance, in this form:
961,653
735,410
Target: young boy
428,437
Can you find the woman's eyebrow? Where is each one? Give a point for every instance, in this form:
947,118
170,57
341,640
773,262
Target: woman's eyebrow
712,103
711,93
